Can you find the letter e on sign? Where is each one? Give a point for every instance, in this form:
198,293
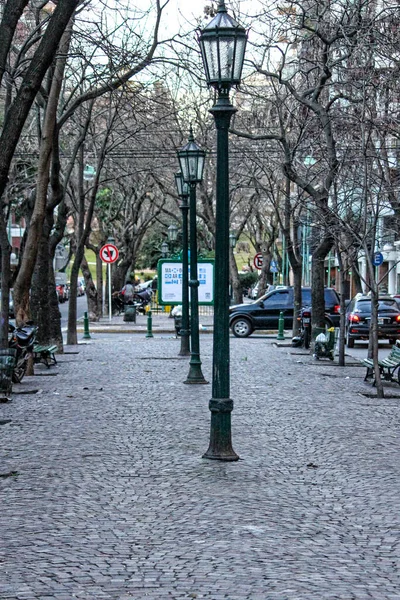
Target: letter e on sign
258,261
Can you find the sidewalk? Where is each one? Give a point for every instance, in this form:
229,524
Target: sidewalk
105,495
161,323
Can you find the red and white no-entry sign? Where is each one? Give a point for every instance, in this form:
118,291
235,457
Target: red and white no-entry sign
258,261
109,253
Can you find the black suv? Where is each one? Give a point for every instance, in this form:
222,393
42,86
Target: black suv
264,312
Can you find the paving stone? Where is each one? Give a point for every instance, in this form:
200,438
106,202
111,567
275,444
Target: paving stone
112,499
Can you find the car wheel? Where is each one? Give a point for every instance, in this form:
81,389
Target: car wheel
241,327
349,341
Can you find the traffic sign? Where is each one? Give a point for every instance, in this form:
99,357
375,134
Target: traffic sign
273,267
109,253
258,260
377,259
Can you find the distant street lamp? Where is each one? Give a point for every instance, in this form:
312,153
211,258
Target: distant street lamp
191,159
232,240
222,43
183,193
172,233
164,250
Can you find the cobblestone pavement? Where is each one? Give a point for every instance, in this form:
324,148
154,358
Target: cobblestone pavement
105,495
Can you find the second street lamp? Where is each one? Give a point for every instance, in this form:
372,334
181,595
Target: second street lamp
164,250
191,159
222,43
183,193
172,233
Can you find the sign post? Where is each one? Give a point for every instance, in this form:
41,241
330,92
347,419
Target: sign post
109,254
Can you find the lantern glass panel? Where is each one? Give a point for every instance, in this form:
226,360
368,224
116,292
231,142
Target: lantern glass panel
183,161
210,46
239,58
193,168
179,183
200,167
172,233
226,46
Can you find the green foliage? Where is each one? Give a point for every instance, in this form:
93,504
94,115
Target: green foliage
248,279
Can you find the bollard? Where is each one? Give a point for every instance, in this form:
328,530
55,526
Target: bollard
149,333
86,334
281,323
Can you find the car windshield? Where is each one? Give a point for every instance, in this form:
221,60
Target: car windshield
384,305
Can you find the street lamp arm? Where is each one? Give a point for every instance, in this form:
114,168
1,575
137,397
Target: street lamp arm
251,136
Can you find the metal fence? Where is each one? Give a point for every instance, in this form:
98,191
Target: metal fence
204,310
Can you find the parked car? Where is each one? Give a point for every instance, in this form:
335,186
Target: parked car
358,319
81,287
264,312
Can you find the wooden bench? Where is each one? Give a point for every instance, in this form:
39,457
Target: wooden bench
387,366
45,354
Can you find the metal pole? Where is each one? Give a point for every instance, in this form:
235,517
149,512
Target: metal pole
281,325
195,373
283,259
86,333
221,405
185,331
149,333
329,270
109,293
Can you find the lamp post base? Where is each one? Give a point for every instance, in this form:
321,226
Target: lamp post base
185,343
220,447
195,374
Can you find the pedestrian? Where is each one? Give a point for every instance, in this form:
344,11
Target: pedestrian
128,292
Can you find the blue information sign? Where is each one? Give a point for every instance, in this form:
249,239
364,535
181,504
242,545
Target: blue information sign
273,267
377,259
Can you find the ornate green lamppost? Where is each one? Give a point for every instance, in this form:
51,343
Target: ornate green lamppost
183,193
191,159
222,43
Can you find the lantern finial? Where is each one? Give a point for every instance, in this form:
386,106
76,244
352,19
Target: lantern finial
221,6
191,136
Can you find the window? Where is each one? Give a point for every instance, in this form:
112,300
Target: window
277,300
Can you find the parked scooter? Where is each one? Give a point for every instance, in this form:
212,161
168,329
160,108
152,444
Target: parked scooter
142,299
304,337
22,339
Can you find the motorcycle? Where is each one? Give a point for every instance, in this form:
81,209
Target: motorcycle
22,339
304,339
142,299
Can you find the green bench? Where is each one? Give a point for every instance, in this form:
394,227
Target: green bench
387,366
45,354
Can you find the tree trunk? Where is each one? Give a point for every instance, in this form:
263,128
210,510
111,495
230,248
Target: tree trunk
342,336
318,282
5,281
297,273
91,292
23,281
374,337
40,289
237,295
